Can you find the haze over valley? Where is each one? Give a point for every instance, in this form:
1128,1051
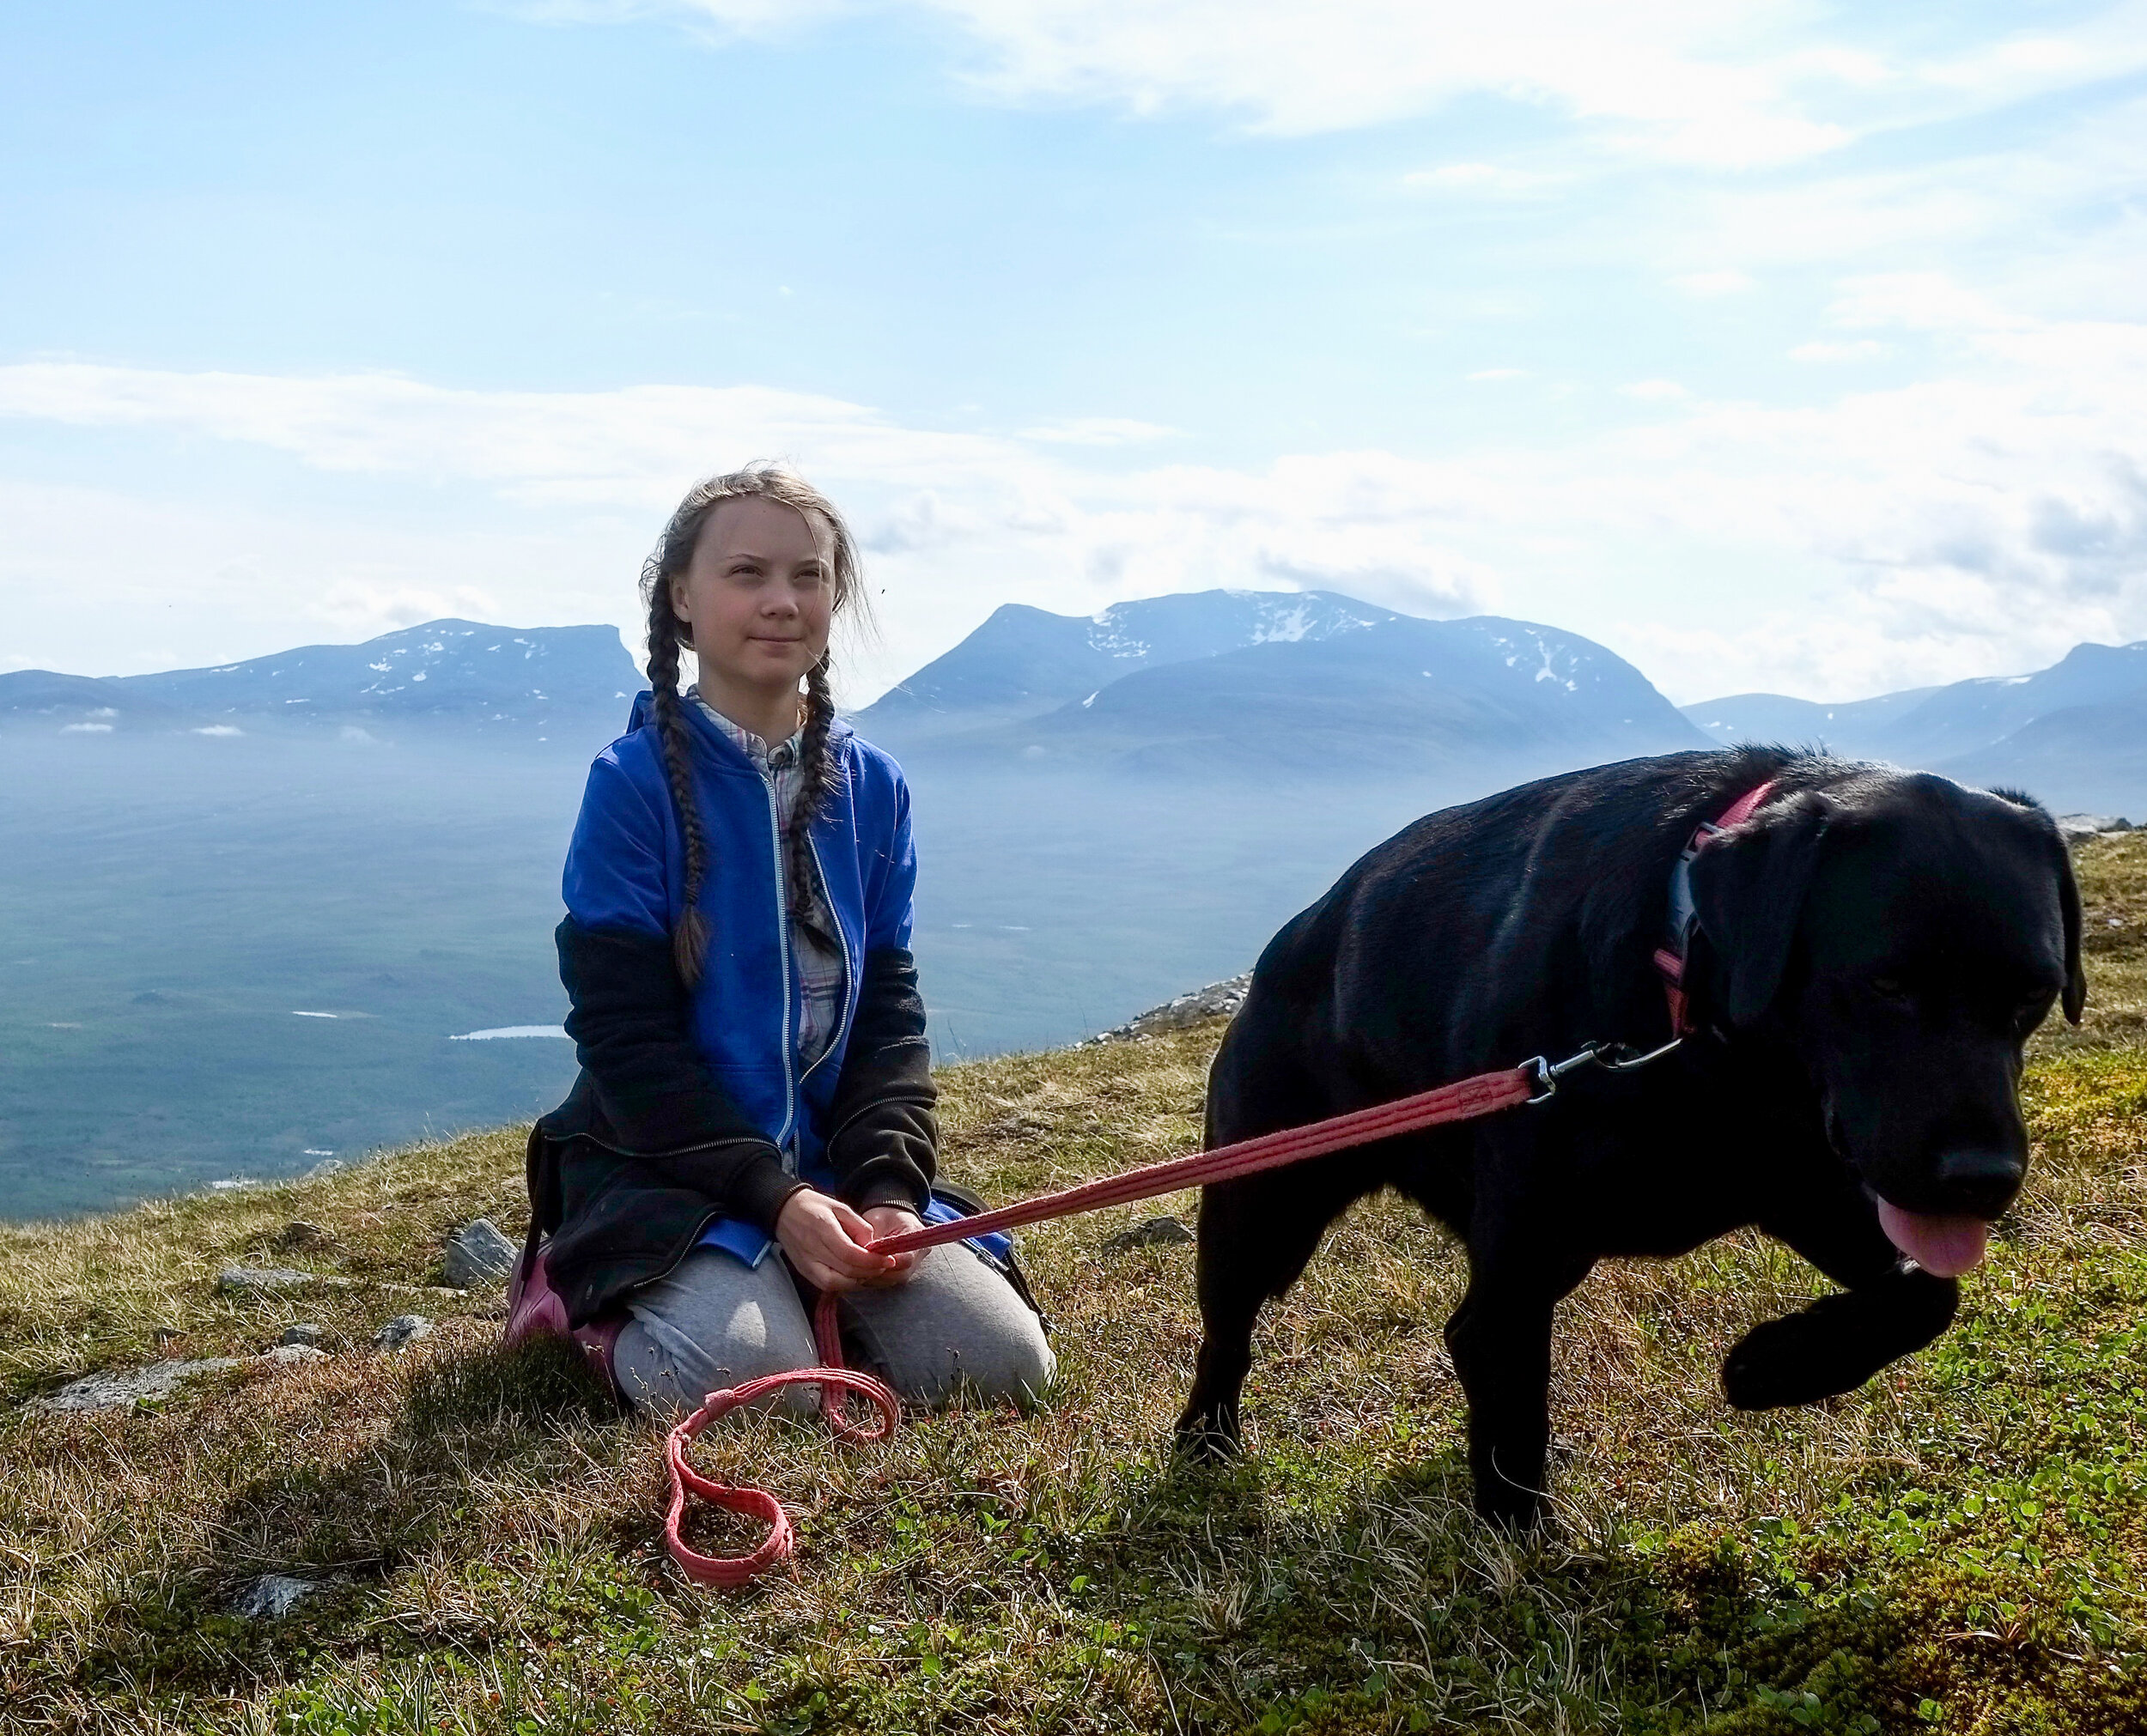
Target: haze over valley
246,911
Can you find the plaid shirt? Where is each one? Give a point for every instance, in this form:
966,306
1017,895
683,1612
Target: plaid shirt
819,967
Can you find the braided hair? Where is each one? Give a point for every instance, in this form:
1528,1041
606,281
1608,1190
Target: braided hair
820,771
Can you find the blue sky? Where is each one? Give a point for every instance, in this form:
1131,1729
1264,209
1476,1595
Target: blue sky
1778,346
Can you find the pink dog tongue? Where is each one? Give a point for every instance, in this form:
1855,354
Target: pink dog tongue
1944,1247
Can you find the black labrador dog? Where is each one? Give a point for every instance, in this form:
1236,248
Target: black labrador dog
1864,957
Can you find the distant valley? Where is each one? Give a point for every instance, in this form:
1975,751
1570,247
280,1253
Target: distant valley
246,911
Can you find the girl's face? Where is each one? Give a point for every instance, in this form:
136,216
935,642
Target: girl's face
757,597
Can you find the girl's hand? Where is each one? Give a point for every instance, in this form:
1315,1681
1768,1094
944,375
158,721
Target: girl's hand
895,1220
825,1241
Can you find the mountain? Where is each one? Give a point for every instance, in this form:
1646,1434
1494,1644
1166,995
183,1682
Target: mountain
1967,723
1024,661
461,675
1774,716
1329,688
2083,759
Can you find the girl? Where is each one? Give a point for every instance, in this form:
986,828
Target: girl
755,1099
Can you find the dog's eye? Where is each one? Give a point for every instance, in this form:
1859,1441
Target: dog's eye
2031,1012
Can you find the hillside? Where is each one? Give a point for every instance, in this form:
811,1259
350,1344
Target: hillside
506,682
2071,733
1961,1546
1261,685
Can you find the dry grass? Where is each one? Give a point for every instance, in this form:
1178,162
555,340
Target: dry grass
1960,1546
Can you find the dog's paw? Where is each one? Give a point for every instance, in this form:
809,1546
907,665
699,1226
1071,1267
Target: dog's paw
1205,1441
1796,1361
1522,1514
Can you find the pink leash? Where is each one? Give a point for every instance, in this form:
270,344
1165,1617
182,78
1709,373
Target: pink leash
1484,1094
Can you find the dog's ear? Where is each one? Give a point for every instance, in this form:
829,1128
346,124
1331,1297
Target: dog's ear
1748,889
2075,998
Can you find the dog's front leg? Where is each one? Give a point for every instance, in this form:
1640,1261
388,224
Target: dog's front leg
1886,1310
1500,1340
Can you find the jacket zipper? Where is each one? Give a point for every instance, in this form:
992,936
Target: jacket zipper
678,1259
850,979
782,950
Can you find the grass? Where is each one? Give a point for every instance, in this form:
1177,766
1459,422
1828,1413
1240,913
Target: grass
1961,1546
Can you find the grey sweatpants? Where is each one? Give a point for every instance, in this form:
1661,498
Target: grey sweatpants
715,1321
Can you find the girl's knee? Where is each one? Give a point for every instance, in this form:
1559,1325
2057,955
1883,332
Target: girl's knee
1019,1365
957,1327
667,1374
715,1324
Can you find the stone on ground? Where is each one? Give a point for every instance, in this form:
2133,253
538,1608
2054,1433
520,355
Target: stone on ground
271,1596
123,1390
478,1253
305,1333
1156,1232
1213,1001
261,1280
399,1332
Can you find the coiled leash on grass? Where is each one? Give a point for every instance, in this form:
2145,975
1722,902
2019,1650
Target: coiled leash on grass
1484,1094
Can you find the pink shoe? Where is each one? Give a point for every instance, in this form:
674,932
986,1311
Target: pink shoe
535,1310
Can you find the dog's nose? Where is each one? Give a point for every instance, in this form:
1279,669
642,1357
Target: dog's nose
1981,1183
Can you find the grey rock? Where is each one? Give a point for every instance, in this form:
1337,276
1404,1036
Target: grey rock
303,1333
327,1166
2077,827
261,1280
124,1389
400,1331
1157,1232
478,1253
272,1596
1217,1000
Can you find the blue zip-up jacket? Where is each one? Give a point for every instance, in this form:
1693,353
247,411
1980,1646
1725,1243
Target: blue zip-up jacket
690,1103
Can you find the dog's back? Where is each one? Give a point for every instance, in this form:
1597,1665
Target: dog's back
1429,951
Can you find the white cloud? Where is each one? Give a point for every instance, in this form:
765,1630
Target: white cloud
1920,302
1857,350
1980,520
1710,285
1760,83
1497,179
1097,431
357,607
1656,391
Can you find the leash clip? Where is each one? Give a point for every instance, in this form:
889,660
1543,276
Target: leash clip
1617,1057
1549,1072
1612,1057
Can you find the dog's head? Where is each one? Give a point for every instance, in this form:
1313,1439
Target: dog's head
1903,936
